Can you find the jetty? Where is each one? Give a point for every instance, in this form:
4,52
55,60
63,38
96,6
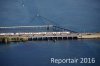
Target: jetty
40,36
58,33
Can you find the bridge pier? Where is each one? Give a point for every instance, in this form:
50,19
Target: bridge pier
65,38
51,38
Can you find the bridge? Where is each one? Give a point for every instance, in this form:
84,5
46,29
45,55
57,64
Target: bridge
49,25
39,26
59,33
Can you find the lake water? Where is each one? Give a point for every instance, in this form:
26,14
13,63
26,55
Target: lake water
77,15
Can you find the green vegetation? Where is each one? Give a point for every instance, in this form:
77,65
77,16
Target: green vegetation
12,39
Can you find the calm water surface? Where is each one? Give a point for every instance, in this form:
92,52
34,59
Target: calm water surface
39,53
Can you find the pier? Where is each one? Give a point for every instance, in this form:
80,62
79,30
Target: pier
41,36
58,33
